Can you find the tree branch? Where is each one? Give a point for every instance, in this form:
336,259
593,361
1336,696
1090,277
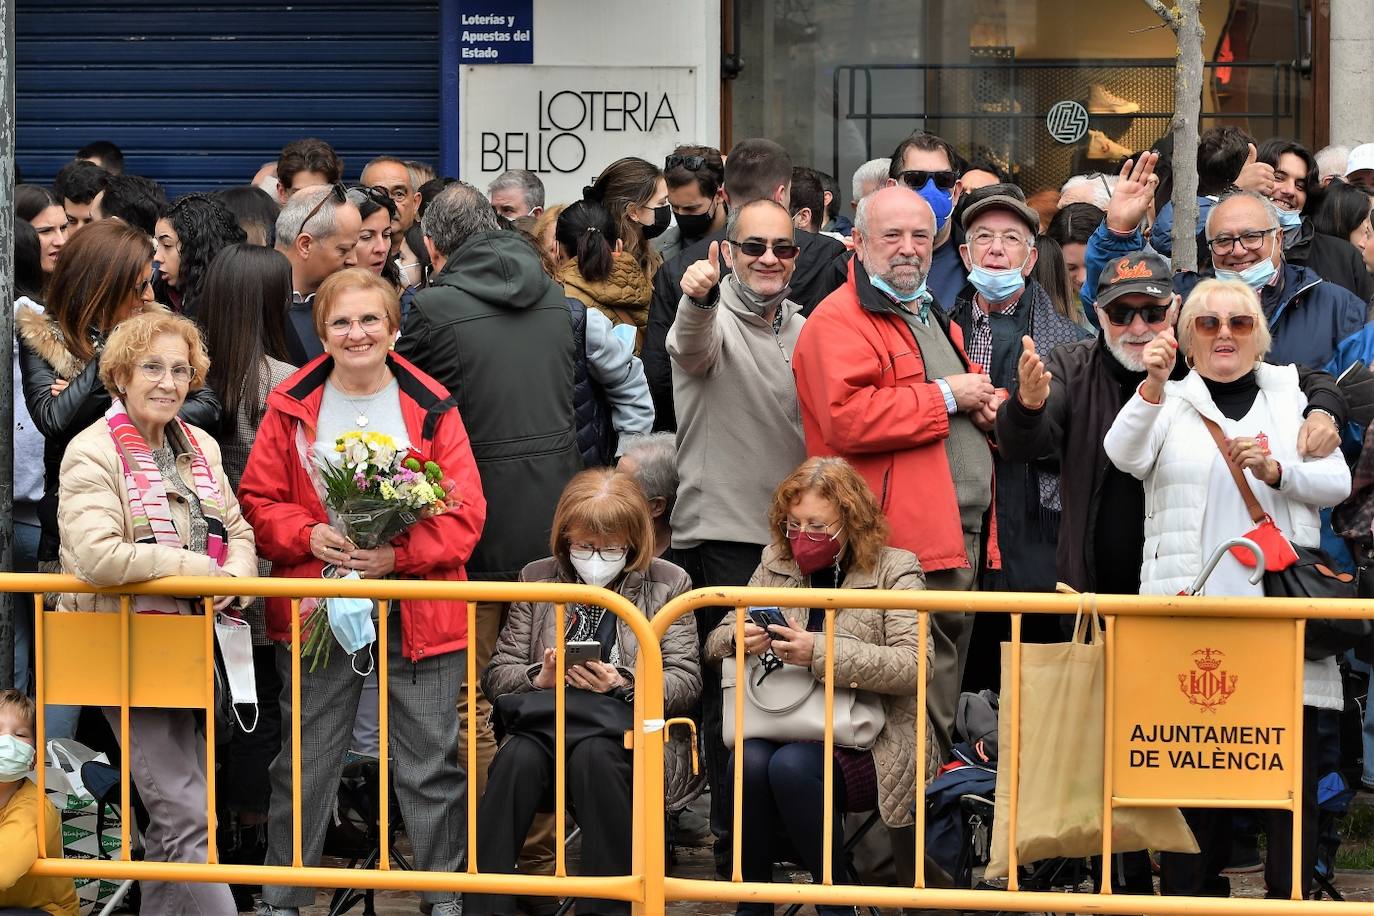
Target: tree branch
1170,16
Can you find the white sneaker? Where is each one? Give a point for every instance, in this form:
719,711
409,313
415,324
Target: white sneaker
267,909
448,908
1101,146
1101,101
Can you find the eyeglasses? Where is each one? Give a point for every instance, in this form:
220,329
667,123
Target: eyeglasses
341,326
783,252
984,238
1250,241
1121,316
917,178
587,551
690,163
379,196
1210,325
182,374
399,193
810,532
338,193
143,287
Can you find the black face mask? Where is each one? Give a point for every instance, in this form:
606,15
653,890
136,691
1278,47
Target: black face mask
662,217
695,225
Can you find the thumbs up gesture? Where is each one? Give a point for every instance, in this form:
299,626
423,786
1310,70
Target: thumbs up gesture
1256,175
1034,378
702,277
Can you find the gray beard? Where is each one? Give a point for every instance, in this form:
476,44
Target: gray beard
1125,357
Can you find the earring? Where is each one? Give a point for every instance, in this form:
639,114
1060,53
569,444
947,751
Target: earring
1188,360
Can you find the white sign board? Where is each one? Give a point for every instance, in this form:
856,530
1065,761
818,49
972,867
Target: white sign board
565,124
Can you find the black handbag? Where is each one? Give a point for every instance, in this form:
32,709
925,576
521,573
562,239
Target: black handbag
1314,575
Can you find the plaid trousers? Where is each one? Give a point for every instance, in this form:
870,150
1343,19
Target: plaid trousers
429,779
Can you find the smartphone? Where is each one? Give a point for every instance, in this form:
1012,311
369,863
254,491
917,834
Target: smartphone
767,616
577,653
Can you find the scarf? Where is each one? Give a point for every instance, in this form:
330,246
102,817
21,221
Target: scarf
149,511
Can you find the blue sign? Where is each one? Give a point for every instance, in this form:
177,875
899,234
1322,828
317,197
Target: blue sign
496,31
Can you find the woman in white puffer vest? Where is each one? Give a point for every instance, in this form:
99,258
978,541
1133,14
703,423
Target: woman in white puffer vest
1192,503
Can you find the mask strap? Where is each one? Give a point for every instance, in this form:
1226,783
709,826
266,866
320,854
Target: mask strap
371,663
247,730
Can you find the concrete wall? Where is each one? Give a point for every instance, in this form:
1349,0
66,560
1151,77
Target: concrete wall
1352,72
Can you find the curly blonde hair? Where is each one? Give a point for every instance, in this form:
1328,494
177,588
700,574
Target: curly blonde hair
860,516
130,341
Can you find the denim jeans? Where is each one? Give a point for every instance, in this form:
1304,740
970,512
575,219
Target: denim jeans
1367,733
25,560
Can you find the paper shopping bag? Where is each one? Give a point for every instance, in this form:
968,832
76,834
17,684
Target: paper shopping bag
1059,808
84,834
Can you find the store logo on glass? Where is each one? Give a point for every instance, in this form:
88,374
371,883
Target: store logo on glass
1067,121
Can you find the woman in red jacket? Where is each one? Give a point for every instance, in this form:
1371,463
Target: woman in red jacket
359,384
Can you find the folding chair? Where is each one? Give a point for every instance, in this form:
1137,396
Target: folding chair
356,832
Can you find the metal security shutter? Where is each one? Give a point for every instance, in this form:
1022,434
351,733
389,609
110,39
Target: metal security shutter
199,95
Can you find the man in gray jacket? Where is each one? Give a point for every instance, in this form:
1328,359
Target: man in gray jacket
739,427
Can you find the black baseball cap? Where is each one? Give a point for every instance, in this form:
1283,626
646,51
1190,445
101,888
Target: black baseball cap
1143,272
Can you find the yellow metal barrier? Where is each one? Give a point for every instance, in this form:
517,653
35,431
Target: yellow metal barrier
1280,621
127,659
131,660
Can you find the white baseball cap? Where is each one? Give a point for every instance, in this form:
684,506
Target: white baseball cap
1361,159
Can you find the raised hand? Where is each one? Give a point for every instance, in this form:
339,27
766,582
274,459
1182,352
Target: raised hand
1159,358
702,277
1255,175
1034,387
1135,191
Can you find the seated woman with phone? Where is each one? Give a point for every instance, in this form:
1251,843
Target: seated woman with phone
828,532
603,535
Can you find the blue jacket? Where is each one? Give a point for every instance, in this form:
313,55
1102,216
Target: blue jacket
1308,317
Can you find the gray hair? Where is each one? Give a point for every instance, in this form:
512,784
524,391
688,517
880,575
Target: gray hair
523,180
732,221
1270,210
872,174
456,215
1098,186
655,457
861,211
1331,160
292,223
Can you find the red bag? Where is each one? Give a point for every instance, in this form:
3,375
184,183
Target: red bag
1278,552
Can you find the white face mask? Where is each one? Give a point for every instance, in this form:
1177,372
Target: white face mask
16,758
596,571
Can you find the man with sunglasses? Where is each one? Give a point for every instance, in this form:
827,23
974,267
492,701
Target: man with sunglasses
739,431
318,232
885,383
929,165
1308,317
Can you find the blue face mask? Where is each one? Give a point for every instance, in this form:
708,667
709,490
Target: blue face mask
1289,219
351,621
998,285
1256,276
940,201
905,298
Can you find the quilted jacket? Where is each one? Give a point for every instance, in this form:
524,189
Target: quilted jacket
874,650
529,629
623,296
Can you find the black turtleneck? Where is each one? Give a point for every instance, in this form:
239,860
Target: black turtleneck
1120,530
1235,398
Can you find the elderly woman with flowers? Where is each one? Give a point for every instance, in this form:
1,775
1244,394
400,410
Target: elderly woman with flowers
359,392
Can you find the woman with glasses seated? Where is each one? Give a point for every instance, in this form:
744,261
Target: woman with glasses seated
103,276
380,223
144,495
603,535
1193,504
828,532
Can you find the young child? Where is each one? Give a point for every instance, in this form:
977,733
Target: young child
20,805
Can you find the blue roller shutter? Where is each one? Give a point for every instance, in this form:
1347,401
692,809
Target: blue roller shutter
199,95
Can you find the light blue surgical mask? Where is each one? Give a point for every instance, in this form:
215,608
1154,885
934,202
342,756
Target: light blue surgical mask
16,758
941,202
1289,219
1256,276
351,621
998,285
905,298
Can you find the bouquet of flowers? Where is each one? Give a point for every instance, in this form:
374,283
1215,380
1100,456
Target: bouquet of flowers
376,491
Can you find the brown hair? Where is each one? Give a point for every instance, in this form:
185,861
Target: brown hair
606,503
131,340
14,699
96,273
836,480
355,278
625,183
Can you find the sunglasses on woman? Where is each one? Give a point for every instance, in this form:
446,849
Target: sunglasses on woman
1210,325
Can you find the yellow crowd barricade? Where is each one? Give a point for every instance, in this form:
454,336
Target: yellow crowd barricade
129,660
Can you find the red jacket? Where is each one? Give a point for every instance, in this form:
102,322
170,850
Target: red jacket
280,501
864,397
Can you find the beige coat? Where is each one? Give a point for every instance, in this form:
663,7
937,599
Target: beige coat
880,656
97,531
530,628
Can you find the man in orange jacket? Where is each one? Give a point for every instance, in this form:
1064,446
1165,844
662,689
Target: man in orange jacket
884,382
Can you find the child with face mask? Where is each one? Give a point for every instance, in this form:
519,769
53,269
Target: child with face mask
20,809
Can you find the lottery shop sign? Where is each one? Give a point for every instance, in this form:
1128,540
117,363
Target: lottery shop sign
1205,708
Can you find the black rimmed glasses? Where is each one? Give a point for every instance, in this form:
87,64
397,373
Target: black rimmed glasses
587,551
337,192
1252,240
